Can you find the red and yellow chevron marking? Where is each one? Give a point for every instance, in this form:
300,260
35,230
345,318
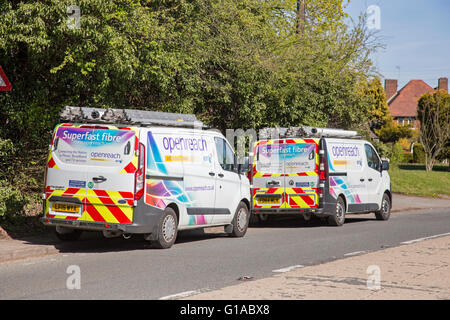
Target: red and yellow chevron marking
98,205
287,141
301,198
104,206
131,167
50,162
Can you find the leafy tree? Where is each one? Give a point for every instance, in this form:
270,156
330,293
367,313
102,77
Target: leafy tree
434,116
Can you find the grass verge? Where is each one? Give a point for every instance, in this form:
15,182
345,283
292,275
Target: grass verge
414,180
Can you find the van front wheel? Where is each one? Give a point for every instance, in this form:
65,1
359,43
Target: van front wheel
167,229
240,221
385,210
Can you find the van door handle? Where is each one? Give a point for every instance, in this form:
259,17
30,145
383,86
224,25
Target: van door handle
273,183
220,175
212,174
370,179
362,180
99,179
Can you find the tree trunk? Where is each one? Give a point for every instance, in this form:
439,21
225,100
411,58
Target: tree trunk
300,17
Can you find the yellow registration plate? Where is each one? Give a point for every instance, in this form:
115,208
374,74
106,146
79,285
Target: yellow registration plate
268,200
66,207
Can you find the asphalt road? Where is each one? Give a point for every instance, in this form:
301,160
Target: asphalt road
130,269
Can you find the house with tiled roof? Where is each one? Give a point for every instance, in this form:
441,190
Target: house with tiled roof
403,103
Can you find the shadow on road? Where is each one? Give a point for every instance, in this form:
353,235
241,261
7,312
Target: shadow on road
93,241
287,221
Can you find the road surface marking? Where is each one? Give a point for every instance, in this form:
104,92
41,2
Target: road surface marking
425,238
353,253
180,295
288,268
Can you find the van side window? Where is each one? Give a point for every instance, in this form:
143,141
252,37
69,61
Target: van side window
225,154
372,158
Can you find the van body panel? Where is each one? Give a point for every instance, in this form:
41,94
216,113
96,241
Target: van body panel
347,169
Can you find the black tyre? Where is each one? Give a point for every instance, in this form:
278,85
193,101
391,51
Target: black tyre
240,221
167,229
338,217
385,209
68,234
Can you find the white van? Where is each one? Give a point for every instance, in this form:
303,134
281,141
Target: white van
318,171
151,173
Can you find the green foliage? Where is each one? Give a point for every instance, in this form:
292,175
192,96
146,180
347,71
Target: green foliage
396,155
418,153
12,202
378,111
392,132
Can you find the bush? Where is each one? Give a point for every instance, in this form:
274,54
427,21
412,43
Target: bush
12,202
407,158
396,153
418,153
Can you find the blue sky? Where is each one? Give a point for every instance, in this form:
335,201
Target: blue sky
416,35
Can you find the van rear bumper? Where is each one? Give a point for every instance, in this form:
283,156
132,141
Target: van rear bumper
325,211
99,226
145,220
296,211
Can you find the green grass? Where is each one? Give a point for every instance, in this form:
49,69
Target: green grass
414,180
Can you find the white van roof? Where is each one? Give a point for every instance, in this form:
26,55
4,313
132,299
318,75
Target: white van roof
130,117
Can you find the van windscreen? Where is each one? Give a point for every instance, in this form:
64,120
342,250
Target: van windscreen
94,147
286,158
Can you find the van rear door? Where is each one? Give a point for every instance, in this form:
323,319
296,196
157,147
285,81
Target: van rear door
268,175
301,168
96,165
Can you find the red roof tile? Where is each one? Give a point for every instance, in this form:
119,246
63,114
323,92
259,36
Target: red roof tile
404,102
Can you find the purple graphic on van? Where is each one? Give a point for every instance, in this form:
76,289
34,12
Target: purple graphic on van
338,186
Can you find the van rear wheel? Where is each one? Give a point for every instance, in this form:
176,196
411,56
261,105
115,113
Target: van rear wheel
338,217
167,229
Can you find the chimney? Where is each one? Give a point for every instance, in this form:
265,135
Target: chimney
443,84
390,87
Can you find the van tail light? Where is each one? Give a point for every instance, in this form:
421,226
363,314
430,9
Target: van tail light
139,176
322,176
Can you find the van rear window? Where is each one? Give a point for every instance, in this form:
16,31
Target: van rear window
94,147
286,158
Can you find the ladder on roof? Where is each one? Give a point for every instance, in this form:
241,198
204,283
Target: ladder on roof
305,132
129,117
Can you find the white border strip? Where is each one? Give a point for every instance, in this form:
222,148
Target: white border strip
426,238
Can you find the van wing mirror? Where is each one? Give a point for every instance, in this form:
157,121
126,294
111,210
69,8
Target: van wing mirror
384,165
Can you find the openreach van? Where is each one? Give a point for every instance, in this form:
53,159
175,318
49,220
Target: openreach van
317,171
127,172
